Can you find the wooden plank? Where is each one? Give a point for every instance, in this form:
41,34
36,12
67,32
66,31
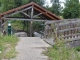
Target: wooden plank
32,12
77,34
44,10
62,21
45,13
31,22
25,14
46,21
25,19
64,24
16,12
69,29
0,25
4,23
15,9
72,39
37,15
57,29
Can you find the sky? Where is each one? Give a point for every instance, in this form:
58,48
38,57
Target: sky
48,2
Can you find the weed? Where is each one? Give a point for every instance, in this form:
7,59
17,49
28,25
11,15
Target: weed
7,46
61,52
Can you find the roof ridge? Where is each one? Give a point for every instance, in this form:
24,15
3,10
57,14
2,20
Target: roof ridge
27,5
46,10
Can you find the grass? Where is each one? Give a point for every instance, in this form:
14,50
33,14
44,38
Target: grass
61,52
10,54
7,47
77,48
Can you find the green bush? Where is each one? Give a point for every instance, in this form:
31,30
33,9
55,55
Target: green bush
77,48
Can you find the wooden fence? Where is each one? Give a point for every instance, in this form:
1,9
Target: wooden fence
68,29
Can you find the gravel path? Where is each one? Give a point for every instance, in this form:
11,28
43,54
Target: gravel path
31,48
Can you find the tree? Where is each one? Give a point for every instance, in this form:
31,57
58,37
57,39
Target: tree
6,5
40,2
56,7
10,4
17,3
72,9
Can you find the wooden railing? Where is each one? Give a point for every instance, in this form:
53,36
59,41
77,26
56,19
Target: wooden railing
67,29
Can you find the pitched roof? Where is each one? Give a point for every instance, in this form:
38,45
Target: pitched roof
46,13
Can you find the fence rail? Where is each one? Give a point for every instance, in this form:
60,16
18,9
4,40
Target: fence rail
68,29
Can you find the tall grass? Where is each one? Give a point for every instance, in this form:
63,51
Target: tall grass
61,52
7,46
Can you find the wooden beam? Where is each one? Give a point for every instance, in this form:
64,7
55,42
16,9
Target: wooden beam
27,19
44,10
32,12
0,25
37,15
15,9
4,23
67,36
62,21
16,12
45,13
25,14
31,22
64,30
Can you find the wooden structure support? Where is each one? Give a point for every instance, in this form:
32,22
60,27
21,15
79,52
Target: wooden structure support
31,22
69,30
0,25
29,12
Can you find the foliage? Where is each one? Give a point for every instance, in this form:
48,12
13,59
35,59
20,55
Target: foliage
56,8
7,46
6,5
37,26
77,48
17,25
10,4
61,52
40,2
10,54
18,3
72,9
25,25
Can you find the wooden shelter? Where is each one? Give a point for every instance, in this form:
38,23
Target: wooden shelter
30,12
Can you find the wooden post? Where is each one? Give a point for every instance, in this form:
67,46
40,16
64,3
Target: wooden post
30,28
57,29
0,25
31,22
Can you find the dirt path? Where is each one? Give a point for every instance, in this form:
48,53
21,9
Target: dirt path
31,48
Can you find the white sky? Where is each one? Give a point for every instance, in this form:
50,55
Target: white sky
48,2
